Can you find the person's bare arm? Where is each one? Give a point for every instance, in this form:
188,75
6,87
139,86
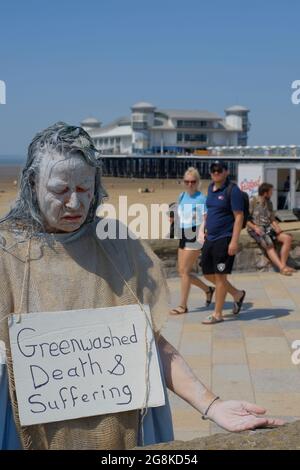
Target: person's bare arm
254,227
273,221
276,227
201,232
233,415
180,378
251,225
237,227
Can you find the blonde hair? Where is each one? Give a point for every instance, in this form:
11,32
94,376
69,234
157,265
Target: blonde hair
194,172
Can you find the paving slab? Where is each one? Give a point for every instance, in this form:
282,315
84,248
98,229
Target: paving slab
246,357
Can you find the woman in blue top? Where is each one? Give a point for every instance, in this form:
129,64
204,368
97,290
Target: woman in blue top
191,212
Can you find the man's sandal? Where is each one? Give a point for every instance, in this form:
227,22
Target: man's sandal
209,295
211,320
292,270
286,272
238,304
179,310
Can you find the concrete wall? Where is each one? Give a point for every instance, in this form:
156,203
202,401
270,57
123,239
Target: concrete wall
126,144
285,437
224,138
249,259
234,121
169,138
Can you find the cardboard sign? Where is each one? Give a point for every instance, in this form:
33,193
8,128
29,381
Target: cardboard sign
84,362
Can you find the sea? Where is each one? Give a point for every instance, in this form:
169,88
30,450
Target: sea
12,160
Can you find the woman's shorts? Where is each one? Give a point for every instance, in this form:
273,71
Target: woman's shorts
188,240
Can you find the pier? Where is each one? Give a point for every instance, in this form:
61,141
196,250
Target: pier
174,165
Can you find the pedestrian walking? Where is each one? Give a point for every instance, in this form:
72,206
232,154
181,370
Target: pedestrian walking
223,225
191,213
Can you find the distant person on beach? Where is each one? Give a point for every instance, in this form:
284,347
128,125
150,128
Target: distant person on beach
191,212
52,260
224,222
262,226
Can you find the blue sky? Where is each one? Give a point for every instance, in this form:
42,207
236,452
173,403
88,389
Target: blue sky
69,59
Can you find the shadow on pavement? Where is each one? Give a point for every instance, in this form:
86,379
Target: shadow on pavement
262,314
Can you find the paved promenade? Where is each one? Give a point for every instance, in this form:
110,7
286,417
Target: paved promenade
248,357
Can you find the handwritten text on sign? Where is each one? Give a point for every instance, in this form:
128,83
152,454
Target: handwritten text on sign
83,362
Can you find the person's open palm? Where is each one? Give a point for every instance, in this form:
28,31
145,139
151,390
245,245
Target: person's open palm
235,416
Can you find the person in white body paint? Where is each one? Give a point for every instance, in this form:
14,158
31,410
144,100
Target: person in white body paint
49,245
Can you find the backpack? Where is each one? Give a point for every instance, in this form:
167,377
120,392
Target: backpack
175,231
245,199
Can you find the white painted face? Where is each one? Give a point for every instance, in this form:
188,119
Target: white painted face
65,189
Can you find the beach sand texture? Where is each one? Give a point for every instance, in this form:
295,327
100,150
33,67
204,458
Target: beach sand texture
165,191
8,189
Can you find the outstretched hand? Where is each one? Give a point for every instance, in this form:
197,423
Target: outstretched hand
235,416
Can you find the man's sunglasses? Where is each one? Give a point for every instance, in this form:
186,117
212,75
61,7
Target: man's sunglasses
217,170
190,181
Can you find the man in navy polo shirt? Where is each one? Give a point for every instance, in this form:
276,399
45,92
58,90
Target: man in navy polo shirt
223,226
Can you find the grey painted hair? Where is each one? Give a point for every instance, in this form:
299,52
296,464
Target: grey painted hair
64,139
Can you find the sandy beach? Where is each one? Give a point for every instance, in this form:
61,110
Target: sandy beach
164,191
161,190
8,187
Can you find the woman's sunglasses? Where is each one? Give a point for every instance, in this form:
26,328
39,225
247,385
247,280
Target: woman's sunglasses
190,181
217,170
